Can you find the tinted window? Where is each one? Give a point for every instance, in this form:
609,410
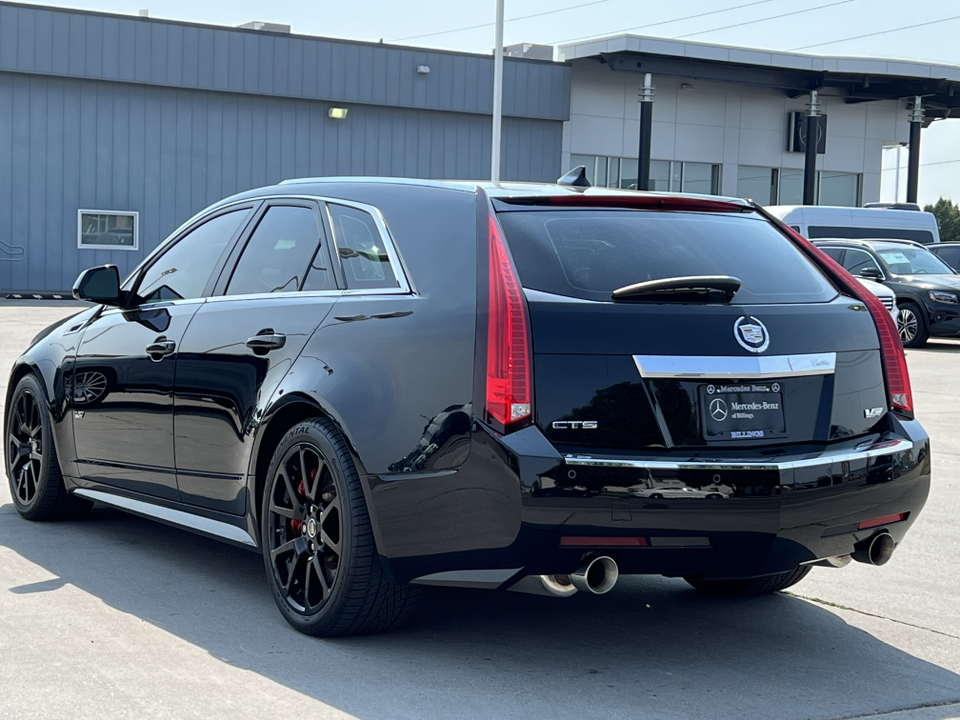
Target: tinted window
590,253
361,249
276,257
860,233
857,260
913,261
950,255
184,269
835,253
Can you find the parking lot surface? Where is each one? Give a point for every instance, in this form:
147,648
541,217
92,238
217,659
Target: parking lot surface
116,617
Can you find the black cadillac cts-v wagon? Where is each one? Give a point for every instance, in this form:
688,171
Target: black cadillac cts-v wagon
380,384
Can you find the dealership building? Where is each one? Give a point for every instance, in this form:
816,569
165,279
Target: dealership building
116,129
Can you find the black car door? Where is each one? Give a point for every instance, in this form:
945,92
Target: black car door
122,393
241,344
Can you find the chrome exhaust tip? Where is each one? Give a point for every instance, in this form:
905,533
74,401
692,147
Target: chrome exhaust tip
875,551
552,585
596,575
837,561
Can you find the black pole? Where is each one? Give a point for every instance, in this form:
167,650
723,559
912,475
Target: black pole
646,133
913,164
810,159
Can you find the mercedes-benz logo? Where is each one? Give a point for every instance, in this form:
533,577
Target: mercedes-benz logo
751,334
718,409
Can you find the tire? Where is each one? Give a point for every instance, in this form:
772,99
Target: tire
912,325
33,472
751,586
318,549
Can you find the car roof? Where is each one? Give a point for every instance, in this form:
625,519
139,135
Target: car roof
875,243
500,190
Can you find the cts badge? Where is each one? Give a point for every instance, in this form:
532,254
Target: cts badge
574,425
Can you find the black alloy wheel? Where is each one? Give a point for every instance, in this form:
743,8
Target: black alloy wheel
912,326
36,483
318,548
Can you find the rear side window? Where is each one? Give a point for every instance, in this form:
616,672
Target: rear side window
590,253
361,248
861,233
278,253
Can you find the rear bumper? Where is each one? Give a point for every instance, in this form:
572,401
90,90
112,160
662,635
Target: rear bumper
707,517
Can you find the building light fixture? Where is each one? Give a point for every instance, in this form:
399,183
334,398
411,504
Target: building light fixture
337,113
423,69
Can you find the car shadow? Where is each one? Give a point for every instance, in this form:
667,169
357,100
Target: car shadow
651,647
939,345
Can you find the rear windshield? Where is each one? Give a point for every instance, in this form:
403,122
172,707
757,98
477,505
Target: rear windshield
588,254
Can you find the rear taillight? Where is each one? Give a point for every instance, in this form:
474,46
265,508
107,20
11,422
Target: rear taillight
899,395
508,393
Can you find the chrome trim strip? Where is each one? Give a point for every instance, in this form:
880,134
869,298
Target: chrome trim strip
468,578
735,367
171,516
885,447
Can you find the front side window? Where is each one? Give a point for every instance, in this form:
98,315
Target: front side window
108,230
361,248
857,260
276,257
183,270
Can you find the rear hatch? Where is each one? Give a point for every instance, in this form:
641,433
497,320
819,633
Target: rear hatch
688,365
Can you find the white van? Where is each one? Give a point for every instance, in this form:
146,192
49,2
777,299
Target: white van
815,221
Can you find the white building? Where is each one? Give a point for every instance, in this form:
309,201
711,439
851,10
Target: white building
722,116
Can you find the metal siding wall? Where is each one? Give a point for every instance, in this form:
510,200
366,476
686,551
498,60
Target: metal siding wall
40,40
69,143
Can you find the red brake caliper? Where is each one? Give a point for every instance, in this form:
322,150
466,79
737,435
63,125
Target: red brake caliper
296,525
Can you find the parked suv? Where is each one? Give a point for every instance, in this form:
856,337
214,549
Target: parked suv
381,384
927,289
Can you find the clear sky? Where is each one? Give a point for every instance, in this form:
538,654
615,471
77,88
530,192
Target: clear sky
828,25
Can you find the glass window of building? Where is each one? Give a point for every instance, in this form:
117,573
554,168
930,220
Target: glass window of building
700,178
660,175
839,189
791,187
758,184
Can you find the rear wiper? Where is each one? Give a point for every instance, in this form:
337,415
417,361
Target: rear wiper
695,288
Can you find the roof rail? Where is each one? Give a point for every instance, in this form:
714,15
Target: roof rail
893,206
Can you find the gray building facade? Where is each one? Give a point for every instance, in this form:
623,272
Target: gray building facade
115,129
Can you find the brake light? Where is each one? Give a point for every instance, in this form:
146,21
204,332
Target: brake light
508,391
899,395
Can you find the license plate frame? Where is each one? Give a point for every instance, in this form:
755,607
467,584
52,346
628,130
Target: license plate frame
742,411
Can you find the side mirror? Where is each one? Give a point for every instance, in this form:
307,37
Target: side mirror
99,285
872,273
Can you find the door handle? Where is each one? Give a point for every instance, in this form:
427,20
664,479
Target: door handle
160,349
265,341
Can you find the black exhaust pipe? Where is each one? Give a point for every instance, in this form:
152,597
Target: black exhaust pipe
877,550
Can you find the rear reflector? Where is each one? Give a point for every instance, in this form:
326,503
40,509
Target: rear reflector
877,522
509,394
894,361
574,541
